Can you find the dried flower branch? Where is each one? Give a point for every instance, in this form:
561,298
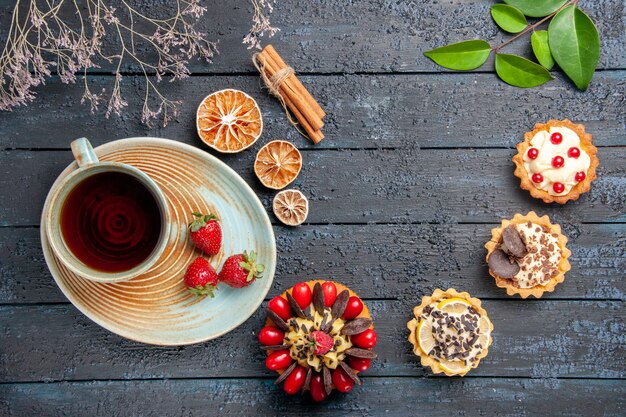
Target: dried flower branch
42,40
261,23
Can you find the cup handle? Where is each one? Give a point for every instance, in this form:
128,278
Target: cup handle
83,152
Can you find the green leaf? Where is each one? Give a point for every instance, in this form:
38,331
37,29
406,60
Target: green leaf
541,48
575,45
461,56
537,8
520,72
508,18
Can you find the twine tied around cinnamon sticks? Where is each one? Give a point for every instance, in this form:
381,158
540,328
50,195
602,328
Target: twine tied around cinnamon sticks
280,80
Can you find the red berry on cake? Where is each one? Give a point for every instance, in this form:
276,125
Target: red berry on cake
278,360
201,278
302,294
558,187
580,176
271,336
533,153
280,306
241,270
365,340
558,161
206,233
556,138
330,293
537,178
573,152
353,308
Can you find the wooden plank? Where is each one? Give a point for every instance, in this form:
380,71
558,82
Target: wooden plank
380,261
391,111
531,339
435,397
367,36
442,186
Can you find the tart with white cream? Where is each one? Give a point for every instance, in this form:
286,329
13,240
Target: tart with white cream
557,161
527,255
451,332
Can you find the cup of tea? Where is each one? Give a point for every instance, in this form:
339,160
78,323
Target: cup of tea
106,221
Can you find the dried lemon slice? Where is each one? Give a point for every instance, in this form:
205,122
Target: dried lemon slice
229,121
277,164
291,207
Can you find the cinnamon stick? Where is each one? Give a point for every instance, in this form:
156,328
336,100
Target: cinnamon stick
295,83
270,66
287,90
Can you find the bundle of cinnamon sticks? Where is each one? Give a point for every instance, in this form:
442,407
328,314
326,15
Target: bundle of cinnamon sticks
280,79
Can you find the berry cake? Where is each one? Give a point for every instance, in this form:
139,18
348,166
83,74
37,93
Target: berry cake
527,255
318,336
557,161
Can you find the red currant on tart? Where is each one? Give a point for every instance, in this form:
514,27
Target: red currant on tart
573,152
537,178
533,153
558,161
556,138
319,346
580,176
558,187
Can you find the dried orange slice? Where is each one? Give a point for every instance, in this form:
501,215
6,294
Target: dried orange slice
277,164
291,207
229,121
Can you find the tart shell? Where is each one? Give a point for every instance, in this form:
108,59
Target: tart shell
563,267
413,324
586,145
340,287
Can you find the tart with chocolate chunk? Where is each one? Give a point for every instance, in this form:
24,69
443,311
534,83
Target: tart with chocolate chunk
557,161
451,332
318,336
527,255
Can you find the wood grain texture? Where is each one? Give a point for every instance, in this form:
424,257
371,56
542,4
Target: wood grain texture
442,186
545,339
436,397
366,36
378,261
390,111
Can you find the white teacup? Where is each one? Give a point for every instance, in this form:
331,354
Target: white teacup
88,166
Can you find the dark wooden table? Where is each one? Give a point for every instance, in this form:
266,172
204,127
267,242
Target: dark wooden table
414,172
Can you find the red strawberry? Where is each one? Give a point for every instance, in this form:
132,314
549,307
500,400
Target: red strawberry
206,233
321,342
201,278
241,270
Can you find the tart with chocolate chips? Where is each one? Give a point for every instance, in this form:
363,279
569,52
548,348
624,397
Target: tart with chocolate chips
557,161
318,336
451,332
527,255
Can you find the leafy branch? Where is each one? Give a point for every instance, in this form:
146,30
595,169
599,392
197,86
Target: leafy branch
571,41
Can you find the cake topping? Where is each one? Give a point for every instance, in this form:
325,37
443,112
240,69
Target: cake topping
555,157
536,266
453,332
511,238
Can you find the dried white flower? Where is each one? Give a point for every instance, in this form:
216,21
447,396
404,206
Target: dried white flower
44,41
